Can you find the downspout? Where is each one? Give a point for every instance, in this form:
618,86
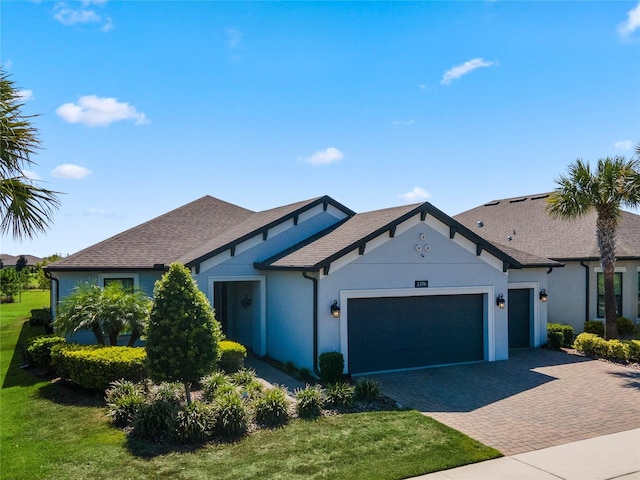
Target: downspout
47,274
316,370
586,290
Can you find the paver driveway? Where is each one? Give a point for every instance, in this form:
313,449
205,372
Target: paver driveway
536,399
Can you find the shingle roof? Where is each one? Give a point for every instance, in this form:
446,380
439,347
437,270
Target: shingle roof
188,235
162,240
12,260
354,232
523,223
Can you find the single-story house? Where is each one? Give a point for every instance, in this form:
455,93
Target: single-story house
7,260
576,291
398,288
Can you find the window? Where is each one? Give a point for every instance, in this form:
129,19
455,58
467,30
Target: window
617,291
126,282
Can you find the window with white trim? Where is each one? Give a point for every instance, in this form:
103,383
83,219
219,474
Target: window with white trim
617,291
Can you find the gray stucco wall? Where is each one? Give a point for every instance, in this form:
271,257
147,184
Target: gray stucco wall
568,297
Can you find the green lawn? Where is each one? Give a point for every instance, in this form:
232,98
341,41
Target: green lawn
50,431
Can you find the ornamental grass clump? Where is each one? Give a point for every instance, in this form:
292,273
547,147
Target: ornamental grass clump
195,423
232,415
212,384
340,394
124,399
310,401
367,390
272,407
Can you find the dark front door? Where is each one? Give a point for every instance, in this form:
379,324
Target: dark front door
392,333
519,318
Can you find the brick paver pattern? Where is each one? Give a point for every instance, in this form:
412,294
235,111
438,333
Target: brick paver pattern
536,399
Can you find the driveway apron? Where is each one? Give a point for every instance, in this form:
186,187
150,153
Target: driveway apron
537,399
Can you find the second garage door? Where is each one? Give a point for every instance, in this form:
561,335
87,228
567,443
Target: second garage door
388,333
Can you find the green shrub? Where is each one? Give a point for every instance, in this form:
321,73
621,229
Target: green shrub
310,401
555,340
244,377
212,383
272,408
634,351
124,399
594,326
367,389
626,328
600,347
232,415
566,330
617,350
95,367
340,394
232,356
39,351
331,366
194,423
155,419
584,343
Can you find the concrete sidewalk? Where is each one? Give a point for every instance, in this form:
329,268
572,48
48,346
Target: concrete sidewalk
614,456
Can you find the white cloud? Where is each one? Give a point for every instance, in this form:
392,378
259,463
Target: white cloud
31,175
464,68
415,195
100,111
234,37
68,15
324,157
8,64
623,145
70,171
25,94
632,23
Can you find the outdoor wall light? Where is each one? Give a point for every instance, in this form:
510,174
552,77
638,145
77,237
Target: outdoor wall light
335,309
500,302
543,295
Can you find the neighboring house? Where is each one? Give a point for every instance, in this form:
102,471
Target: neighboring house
12,260
576,291
398,288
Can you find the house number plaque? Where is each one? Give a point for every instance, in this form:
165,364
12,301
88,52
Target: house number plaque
422,283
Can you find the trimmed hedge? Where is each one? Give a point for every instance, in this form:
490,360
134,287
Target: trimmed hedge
95,367
232,355
331,366
565,330
593,345
626,328
594,326
39,351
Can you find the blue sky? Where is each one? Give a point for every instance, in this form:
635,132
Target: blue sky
145,106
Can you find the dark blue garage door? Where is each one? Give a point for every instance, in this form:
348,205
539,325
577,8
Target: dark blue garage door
389,333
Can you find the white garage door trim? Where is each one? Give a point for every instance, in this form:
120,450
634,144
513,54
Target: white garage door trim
489,315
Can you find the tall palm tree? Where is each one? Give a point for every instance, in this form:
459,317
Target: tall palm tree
25,208
615,183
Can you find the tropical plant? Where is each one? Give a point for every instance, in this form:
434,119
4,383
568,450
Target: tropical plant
107,312
25,208
183,334
615,183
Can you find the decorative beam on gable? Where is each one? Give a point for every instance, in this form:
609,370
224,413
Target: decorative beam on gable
505,266
361,249
295,220
392,232
423,215
479,249
325,205
325,270
233,251
197,268
452,231
265,234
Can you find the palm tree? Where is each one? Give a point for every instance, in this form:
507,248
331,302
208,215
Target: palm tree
615,183
25,208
